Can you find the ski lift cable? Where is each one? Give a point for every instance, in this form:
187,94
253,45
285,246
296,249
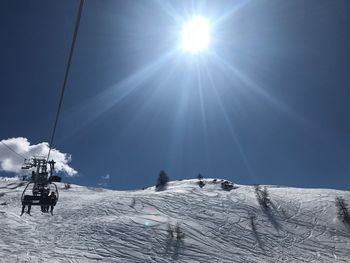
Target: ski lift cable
12,150
77,23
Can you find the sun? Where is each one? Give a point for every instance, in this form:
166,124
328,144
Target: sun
195,35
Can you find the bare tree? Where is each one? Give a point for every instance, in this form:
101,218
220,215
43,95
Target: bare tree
170,232
179,233
342,209
263,196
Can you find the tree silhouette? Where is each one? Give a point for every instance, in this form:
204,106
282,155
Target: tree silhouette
342,207
162,181
263,196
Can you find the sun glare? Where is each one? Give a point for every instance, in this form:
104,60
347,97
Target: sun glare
196,35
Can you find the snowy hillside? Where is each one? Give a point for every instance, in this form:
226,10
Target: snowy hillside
97,225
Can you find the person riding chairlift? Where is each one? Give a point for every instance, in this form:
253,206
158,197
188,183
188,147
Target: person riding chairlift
53,199
28,211
45,196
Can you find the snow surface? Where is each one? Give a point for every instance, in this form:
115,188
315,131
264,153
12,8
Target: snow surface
99,225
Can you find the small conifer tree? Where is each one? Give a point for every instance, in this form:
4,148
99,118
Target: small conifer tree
162,181
201,184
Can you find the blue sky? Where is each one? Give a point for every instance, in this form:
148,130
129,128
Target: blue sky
266,103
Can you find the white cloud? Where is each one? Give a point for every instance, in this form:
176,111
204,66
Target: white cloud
105,177
11,162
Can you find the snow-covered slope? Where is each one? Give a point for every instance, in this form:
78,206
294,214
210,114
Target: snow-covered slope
97,225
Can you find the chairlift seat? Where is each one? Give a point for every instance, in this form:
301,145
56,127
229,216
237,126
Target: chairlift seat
55,178
38,200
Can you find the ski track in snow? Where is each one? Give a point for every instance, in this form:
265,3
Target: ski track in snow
98,225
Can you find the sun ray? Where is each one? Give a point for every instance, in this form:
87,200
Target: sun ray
203,113
111,96
229,124
258,90
180,118
152,100
169,9
231,11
